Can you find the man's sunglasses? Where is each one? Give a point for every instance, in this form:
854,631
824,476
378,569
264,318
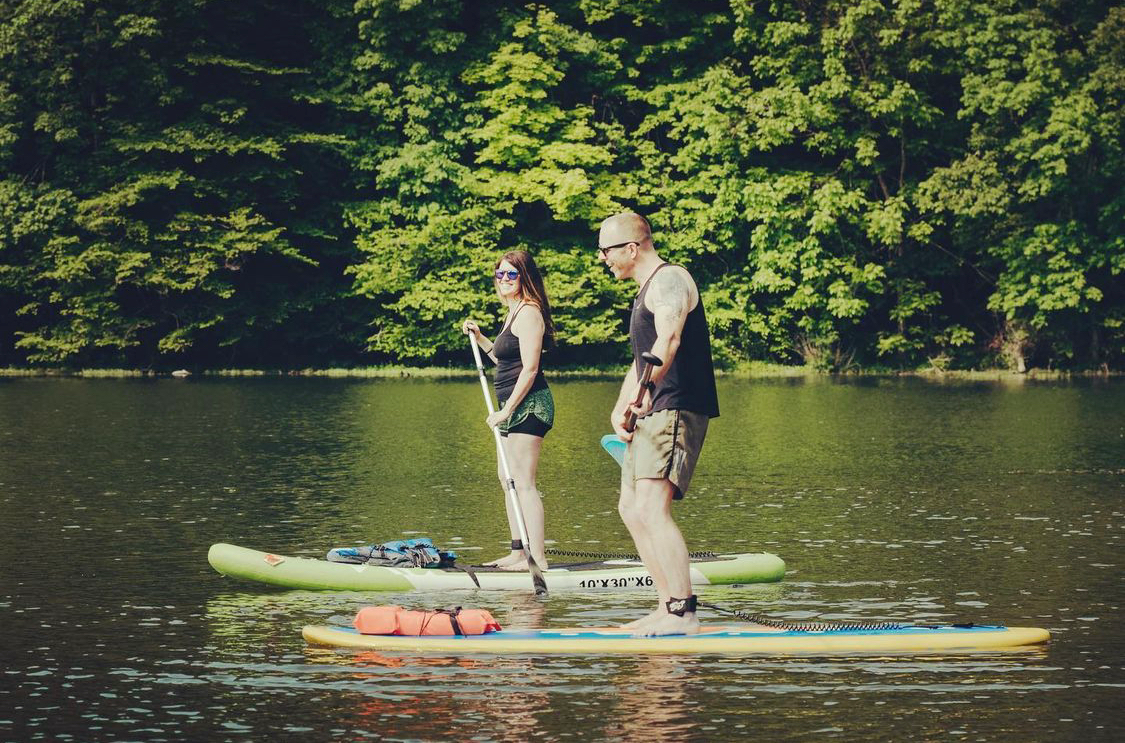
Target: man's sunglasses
512,275
605,251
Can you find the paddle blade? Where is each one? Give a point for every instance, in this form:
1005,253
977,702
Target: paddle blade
615,447
537,578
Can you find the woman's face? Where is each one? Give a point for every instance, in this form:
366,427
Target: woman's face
507,280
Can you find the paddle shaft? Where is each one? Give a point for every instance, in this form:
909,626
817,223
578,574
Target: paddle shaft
533,567
650,363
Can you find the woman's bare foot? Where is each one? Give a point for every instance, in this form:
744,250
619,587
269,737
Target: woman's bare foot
510,559
669,624
521,565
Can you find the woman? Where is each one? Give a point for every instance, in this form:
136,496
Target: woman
527,410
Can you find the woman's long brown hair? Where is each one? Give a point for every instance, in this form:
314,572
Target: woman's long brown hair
531,289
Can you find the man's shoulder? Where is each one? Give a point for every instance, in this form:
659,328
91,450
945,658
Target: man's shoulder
672,284
675,269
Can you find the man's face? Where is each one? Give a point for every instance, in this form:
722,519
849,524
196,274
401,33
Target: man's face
618,251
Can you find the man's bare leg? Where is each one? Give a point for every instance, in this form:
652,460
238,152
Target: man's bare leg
632,517
668,558
647,554
646,510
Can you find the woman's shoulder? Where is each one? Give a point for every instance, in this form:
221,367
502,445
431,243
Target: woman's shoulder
529,318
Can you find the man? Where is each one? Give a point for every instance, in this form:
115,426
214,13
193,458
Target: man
668,321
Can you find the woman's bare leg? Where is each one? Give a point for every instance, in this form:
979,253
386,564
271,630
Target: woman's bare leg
523,460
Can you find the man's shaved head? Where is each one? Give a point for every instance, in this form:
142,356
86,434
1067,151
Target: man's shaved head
625,227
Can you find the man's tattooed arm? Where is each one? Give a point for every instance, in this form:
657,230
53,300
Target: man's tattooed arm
670,298
673,296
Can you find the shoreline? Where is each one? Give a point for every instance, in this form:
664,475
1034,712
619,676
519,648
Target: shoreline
755,370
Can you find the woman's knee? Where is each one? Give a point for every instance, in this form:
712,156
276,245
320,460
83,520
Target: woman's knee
523,476
523,484
530,498
526,490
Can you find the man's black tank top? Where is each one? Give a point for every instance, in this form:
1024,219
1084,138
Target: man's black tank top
506,349
690,381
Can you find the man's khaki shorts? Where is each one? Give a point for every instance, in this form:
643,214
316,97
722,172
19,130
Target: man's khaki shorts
665,445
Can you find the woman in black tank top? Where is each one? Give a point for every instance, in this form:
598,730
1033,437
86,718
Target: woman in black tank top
527,409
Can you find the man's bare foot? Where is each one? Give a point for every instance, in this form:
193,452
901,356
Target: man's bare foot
669,624
650,617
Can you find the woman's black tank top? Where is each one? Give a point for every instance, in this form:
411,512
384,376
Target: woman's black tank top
690,381
506,348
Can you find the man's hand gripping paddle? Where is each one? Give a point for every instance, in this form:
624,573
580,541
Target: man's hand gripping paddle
532,566
610,442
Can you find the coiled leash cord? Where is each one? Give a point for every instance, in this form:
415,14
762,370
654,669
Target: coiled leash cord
805,626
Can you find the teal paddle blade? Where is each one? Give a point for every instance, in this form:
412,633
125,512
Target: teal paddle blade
615,447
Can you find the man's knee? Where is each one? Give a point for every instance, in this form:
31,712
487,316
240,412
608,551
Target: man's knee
640,515
625,511
654,496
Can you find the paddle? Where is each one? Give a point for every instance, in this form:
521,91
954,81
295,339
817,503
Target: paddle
615,447
533,567
650,362
610,442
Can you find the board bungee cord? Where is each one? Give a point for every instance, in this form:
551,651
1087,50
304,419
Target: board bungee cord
808,626
621,555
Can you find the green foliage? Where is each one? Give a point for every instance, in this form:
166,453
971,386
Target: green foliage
195,221
1038,186
900,183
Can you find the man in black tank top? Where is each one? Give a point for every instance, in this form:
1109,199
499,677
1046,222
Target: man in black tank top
668,321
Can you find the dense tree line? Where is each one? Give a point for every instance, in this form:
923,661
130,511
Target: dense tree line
893,183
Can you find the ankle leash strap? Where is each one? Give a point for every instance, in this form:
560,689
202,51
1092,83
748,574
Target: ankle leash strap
679,607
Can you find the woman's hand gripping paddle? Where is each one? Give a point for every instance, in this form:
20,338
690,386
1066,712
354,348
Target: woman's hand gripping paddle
611,442
533,567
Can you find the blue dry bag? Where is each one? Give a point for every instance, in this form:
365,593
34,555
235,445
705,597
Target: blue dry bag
403,553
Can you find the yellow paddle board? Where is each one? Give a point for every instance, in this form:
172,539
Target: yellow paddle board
744,639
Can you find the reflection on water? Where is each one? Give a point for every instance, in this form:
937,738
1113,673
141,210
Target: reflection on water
889,499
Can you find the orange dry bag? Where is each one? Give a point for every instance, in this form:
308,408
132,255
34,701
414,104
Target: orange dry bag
394,620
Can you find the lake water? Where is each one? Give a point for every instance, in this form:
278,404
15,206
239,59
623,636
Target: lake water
889,499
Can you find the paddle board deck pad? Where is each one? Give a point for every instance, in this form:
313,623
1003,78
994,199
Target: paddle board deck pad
739,639
304,572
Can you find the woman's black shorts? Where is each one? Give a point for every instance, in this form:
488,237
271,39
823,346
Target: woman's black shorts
531,425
